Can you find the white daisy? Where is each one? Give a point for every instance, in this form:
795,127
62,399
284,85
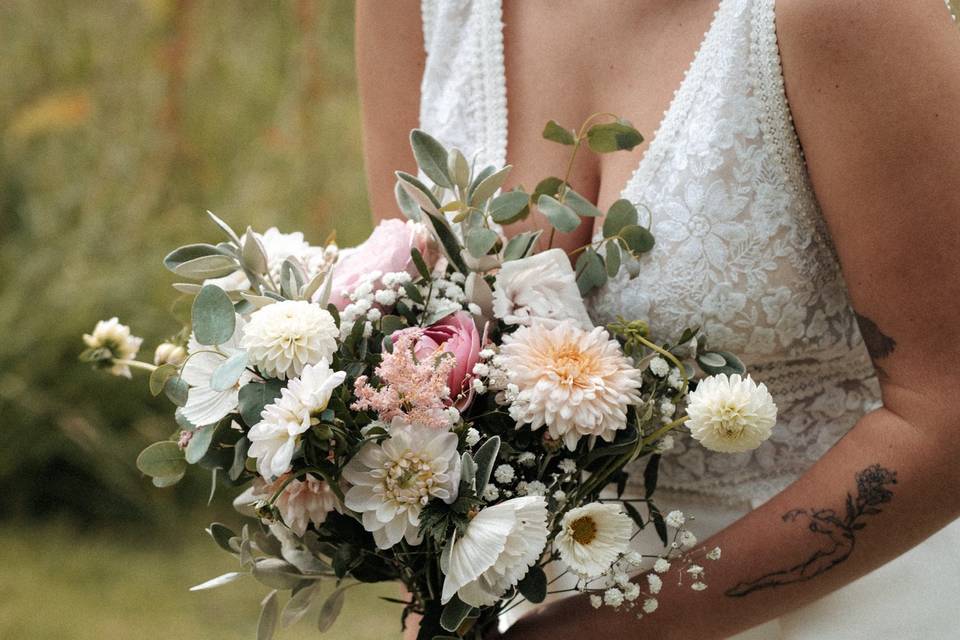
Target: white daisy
499,546
730,414
283,337
115,341
274,439
576,383
592,537
393,481
206,405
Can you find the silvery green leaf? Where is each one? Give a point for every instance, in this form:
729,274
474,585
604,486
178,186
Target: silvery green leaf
638,239
176,389
490,185
485,458
468,469
331,610
509,207
454,613
548,186
431,157
556,133
448,241
159,377
613,258
319,280
533,586
189,252
613,136
406,202
221,534
292,278
478,291
161,460
521,245
458,169
254,255
581,205
225,227
258,302
294,551
266,543
239,458
168,481
213,485
276,573
480,177
480,241
445,553
711,359
187,287
298,605
419,263
219,581
591,272
212,316
419,192
199,444
228,374
717,362
622,213
246,553
269,616
206,267
254,397
560,216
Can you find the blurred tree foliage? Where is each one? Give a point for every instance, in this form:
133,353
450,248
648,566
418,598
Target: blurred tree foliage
121,123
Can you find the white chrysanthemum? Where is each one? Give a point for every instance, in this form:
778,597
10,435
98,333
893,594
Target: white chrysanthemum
541,287
593,537
206,405
578,383
274,439
114,338
393,481
499,546
730,414
283,337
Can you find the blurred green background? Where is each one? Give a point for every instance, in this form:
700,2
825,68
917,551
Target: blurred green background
121,122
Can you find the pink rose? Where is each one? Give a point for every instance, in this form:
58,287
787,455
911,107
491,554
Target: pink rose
456,334
386,250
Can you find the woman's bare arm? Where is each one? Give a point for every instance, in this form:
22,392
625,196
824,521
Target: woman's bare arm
875,90
390,60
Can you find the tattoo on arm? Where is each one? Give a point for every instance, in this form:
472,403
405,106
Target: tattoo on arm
879,345
838,532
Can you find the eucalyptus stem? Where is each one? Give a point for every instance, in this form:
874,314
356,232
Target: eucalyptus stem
136,364
656,435
669,356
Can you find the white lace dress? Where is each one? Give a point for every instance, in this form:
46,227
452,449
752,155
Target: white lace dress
743,252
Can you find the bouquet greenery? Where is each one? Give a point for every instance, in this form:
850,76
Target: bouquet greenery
435,406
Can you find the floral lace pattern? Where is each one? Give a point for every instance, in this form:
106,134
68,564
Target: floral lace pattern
741,247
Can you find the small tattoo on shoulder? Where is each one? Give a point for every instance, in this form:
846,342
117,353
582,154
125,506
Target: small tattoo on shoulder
837,531
879,344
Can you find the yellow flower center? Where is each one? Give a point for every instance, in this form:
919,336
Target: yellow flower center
583,530
571,364
729,422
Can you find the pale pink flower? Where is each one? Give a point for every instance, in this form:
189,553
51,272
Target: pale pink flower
457,335
302,501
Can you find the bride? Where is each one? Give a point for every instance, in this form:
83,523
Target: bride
824,252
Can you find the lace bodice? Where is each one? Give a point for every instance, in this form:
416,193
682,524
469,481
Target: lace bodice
741,247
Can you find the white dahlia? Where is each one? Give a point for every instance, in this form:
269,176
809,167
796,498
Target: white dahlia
593,536
206,405
578,383
393,481
283,337
116,343
274,439
500,545
541,287
730,414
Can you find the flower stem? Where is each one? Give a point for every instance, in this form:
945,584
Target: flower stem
136,364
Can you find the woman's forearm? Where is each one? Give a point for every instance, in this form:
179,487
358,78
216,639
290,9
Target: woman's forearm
880,491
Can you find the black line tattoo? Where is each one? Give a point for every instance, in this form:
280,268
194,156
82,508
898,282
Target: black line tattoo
879,345
839,533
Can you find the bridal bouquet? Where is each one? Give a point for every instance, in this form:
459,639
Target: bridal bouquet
435,406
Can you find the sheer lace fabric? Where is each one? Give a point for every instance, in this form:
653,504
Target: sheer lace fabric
741,247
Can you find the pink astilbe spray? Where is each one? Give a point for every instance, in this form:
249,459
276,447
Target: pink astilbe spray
413,389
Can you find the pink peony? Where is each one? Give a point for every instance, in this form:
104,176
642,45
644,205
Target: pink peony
386,250
456,334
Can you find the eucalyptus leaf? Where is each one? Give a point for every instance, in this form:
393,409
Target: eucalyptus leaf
621,213
159,377
408,205
199,444
468,469
533,586
228,374
613,258
521,245
486,458
258,302
254,397
454,613
509,207
276,573
253,254
591,271
431,157
189,288
190,252
168,481
224,227
420,263
480,241
298,605
419,192
322,279
219,581
448,241
561,217
391,323
480,177
212,316
638,239
581,205
177,390
206,267
717,362
239,458
490,185
292,278
613,136
458,169
161,460
556,133
331,610
269,616
221,534
548,186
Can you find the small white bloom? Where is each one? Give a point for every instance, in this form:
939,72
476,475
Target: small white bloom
481,369
675,380
374,315
453,414
559,496
568,465
117,343
654,583
659,367
536,488
472,437
522,488
527,459
596,601
487,353
539,287
714,554
698,586
634,558
695,570
687,539
386,297
499,546
621,579
475,309
478,386
592,537
664,444
169,353
283,337
675,519
667,408
613,597
504,474
491,493
730,414
393,480
631,591
661,565
650,605
511,391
